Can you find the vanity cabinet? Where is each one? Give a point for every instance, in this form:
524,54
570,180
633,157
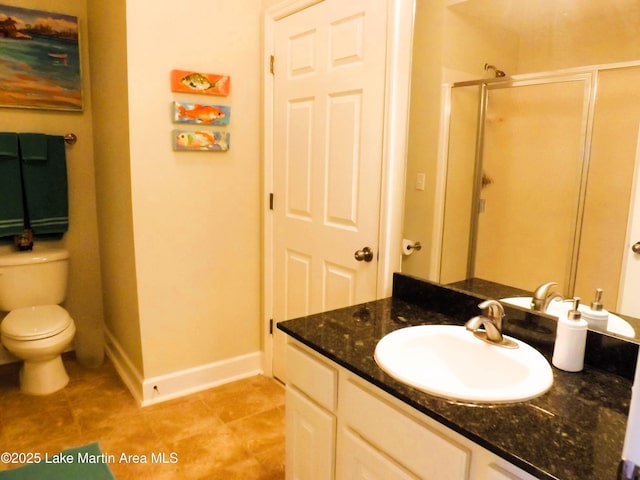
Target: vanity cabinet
338,426
311,402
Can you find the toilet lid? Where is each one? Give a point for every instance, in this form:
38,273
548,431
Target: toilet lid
35,323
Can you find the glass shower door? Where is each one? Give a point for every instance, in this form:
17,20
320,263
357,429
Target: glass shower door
532,167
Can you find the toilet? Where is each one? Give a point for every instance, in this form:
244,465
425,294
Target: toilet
37,329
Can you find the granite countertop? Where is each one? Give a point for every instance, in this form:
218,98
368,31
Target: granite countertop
575,430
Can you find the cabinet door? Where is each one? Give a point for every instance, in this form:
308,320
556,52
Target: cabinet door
358,460
310,438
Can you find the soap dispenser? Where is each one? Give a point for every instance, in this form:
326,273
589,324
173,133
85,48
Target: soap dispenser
596,316
571,340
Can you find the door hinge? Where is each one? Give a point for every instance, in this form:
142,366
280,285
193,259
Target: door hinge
272,63
271,326
271,201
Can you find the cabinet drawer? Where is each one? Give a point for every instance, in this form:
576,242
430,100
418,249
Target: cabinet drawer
312,376
411,443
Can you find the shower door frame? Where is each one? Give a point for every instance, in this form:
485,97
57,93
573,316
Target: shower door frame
590,77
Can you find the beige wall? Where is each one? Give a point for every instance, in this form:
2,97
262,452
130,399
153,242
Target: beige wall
196,215
447,47
424,121
84,300
185,266
107,38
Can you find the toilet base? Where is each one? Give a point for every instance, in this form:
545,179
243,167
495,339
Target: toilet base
43,377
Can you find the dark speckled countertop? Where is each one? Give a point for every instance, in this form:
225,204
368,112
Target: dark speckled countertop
574,431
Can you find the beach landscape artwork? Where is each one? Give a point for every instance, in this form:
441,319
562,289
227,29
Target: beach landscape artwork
39,60
201,113
200,140
185,81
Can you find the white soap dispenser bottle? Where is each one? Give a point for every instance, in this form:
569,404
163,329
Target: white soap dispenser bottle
596,316
571,340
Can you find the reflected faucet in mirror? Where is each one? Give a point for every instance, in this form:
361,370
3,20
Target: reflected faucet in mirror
543,295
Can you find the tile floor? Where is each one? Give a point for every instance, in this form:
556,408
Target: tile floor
235,431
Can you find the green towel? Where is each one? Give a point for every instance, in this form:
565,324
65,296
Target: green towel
33,146
11,210
8,145
45,185
80,463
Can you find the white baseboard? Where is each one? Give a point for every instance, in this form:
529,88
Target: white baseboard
129,374
184,382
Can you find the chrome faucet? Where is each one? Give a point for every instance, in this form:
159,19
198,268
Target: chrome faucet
542,297
491,320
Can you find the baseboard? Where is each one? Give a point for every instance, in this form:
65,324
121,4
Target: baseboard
128,372
184,382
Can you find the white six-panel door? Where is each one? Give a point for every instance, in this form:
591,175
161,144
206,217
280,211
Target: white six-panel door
327,141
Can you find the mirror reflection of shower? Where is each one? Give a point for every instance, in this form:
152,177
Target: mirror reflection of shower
496,72
526,138
553,143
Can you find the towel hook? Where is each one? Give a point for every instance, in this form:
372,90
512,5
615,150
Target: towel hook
70,138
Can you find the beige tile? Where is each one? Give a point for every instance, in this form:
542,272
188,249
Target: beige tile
272,461
19,431
181,420
204,454
235,431
21,404
244,398
261,431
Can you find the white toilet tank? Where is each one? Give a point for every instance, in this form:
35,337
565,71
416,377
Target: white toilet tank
33,278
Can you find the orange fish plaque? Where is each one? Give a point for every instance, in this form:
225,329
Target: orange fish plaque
185,81
200,113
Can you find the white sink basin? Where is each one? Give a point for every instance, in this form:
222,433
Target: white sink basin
449,361
558,308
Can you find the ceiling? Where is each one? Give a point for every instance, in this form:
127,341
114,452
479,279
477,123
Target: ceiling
521,15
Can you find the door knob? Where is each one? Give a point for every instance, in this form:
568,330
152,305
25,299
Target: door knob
366,255
635,248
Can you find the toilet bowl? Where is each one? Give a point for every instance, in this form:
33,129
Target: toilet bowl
37,329
38,335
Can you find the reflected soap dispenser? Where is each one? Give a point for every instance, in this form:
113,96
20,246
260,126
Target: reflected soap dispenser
571,340
596,316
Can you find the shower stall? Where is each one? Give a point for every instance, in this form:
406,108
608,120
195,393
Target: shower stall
539,174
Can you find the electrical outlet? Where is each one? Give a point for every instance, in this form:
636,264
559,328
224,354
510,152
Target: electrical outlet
420,179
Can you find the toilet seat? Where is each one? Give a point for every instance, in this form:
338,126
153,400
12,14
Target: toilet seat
35,323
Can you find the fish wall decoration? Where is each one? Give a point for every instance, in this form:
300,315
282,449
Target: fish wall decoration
185,81
201,140
201,113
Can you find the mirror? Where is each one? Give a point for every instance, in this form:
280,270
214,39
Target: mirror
545,50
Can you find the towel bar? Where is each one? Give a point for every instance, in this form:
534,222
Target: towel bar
70,138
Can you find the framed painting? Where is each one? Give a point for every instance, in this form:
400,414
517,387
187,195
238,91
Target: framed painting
200,140
39,60
185,81
201,113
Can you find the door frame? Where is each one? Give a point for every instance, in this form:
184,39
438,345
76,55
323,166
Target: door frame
629,259
400,20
